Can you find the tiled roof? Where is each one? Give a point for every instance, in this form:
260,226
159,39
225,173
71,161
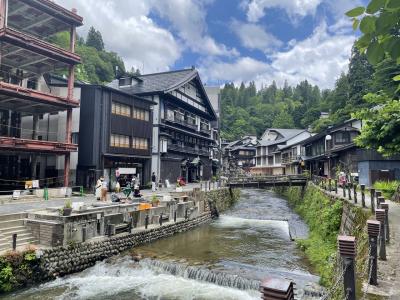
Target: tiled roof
160,82
286,133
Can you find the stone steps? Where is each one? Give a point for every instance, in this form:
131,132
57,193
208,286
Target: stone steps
14,224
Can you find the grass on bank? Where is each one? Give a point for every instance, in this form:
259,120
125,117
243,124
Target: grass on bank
388,188
323,217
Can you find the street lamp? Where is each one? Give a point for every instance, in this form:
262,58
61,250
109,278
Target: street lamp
327,139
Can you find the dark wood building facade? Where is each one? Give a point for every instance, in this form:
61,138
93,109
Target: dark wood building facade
182,136
114,136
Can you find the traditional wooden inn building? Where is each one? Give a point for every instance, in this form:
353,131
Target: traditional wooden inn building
25,55
240,153
333,151
182,133
270,146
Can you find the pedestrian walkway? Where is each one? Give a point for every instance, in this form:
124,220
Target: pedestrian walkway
19,206
389,270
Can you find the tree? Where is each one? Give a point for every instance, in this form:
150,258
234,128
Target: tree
94,39
359,78
381,130
380,26
283,120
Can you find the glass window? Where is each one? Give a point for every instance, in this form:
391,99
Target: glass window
140,143
141,114
120,109
119,141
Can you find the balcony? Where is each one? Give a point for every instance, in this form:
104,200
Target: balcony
181,122
26,145
186,149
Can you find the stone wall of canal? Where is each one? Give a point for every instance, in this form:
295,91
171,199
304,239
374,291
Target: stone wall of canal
62,260
328,216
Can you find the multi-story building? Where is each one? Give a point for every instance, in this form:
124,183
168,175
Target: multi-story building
268,154
25,56
182,136
214,94
240,153
333,151
115,135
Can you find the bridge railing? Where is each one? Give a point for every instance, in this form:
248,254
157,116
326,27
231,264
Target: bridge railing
266,178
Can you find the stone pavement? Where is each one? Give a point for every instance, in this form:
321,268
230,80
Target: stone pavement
389,270
21,206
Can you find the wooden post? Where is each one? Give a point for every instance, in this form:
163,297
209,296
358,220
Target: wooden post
379,201
14,241
380,216
347,250
377,194
336,189
344,190
277,289
362,186
349,190
146,221
330,184
355,192
385,206
373,233
373,201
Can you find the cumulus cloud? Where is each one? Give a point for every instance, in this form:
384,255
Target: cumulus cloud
127,30
255,9
188,18
254,36
320,59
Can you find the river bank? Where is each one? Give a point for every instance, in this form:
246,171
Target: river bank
49,263
222,259
328,216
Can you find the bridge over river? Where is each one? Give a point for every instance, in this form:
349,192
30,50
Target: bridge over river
267,181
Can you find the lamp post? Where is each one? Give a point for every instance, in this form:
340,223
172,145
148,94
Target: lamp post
327,139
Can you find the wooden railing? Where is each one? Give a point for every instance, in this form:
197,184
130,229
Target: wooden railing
267,181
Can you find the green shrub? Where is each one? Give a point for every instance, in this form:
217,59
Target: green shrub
388,188
323,218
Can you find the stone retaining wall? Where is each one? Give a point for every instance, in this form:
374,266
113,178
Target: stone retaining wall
66,260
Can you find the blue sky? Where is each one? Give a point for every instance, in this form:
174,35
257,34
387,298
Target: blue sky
228,40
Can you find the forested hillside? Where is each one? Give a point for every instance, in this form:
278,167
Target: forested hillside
98,64
248,111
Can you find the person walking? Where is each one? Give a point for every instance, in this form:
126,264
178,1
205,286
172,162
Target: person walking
98,187
153,182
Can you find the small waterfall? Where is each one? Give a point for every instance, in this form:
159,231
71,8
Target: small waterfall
201,274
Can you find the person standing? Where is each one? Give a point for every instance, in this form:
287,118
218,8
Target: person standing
99,184
153,182
104,189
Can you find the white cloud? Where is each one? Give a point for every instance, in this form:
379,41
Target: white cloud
320,59
188,18
242,69
254,36
294,8
127,30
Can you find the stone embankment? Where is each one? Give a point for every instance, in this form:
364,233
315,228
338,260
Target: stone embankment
62,260
74,258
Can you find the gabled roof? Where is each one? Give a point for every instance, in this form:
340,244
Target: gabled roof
338,127
160,82
164,82
286,133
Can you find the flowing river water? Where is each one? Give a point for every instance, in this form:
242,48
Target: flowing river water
222,260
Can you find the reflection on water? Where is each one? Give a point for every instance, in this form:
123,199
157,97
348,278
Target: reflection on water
250,240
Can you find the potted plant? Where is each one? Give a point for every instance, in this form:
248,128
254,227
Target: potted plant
154,201
67,210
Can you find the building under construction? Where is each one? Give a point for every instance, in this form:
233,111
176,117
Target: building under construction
25,56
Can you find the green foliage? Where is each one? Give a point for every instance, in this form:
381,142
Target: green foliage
94,39
381,129
98,65
323,218
388,188
379,23
17,269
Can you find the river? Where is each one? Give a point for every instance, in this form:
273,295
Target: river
222,260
